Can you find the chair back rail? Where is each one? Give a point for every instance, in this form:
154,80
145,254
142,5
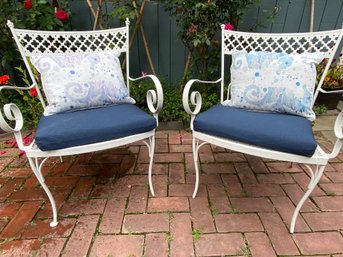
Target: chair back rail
50,43
324,42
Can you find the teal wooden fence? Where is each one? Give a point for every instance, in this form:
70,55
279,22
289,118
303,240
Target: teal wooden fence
169,54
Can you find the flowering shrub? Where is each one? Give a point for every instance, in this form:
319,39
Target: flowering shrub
334,76
41,14
198,23
26,100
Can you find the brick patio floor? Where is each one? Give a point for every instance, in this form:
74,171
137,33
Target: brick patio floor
243,207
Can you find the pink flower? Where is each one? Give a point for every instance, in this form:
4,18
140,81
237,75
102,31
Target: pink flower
61,15
21,153
143,73
11,143
4,79
33,92
2,152
28,4
228,26
26,140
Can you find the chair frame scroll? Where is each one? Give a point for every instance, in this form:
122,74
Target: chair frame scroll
32,43
326,42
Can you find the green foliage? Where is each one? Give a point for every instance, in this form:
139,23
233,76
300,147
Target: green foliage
320,109
122,10
28,14
172,107
26,100
198,23
40,16
196,234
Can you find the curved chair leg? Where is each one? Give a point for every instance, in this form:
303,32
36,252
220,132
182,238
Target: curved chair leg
36,168
315,177
151,148
195,146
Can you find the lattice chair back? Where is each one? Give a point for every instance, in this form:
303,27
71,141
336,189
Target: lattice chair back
49,43
290,43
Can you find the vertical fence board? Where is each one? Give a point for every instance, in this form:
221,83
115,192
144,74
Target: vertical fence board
331,15
164,48
294,16
279,20
168,52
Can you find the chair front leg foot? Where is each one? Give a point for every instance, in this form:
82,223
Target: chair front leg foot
315,177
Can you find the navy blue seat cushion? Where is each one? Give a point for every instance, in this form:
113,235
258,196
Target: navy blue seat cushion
89,126
275,131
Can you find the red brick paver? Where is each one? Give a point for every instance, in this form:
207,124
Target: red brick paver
243,207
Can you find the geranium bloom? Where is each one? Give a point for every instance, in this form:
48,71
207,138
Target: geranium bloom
4,79
33,92
61,15
228,26
28,4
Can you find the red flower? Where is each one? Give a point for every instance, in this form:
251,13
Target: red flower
4,79
33,92
228,26
61,15
28,4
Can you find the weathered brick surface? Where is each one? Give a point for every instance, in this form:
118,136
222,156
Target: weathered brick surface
243,207
164,204
118,245
219,244
260,245
81,237
319,243
24,215
181,244
201,215
238,222
156,245
278,234
112,218
145,223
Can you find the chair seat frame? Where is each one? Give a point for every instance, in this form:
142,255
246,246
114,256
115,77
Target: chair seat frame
293,43
118,39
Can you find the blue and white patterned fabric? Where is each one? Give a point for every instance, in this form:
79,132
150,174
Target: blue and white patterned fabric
79,81
276,82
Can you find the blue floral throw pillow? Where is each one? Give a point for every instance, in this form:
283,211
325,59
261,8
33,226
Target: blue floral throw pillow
80,81
276,82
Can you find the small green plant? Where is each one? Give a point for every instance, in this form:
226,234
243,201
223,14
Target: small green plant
196,234
172,107
320,109
213,210
245,249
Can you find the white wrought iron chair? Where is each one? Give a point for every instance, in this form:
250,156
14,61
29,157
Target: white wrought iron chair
88,129
272,135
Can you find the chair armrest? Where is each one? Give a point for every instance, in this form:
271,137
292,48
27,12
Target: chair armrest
153,97
194,97
330,92
13,113
338,129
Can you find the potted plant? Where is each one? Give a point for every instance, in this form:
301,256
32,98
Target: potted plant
333,82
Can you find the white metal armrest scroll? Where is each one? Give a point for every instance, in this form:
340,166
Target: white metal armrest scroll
195,98
154,97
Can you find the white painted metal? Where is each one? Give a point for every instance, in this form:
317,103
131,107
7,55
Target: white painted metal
326,42
32,43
